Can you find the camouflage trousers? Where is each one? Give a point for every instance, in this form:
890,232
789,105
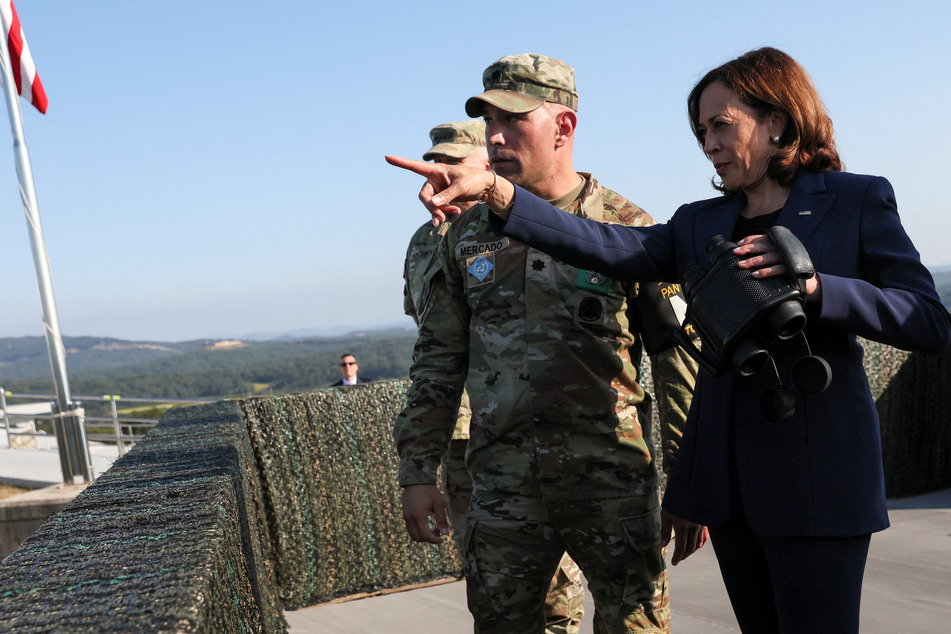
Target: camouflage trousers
510,558
564,602
458,487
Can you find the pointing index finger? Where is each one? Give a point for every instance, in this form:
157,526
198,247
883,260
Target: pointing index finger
420,167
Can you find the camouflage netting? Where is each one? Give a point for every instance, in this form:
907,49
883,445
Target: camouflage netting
913,396
330,469
227,509
171,539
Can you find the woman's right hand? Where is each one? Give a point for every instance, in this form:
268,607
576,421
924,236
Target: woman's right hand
447,184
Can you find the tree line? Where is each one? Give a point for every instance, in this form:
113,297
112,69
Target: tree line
257,368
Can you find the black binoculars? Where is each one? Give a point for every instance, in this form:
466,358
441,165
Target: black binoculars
738,317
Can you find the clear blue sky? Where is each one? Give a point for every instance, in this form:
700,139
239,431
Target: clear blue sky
214,169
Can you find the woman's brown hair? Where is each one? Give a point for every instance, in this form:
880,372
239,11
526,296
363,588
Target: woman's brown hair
770,81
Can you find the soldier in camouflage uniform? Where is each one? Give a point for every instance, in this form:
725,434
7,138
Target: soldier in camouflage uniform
463,142
558,450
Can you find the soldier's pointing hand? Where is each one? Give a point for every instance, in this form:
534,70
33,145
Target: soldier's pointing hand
447,184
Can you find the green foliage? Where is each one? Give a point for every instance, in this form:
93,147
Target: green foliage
155,412
27,357
200,370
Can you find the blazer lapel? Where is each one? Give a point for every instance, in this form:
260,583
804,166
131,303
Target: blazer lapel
719,219
807,205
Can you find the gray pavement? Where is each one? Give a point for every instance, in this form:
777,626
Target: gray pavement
38,468
907,588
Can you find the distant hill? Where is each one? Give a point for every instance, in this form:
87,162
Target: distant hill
942,281
212,368
27,357
332,332
203,368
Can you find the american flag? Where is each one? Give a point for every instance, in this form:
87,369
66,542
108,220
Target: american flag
27,81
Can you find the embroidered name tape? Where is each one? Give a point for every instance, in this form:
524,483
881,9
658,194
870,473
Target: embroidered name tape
465,250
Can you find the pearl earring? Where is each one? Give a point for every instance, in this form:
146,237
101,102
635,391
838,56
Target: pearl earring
776,139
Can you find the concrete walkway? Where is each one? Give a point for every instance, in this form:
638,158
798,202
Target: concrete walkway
39,468
907,588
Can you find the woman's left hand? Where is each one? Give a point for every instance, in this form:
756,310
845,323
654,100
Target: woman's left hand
688,537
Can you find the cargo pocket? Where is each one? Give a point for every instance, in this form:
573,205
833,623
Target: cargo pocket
480,604
646,578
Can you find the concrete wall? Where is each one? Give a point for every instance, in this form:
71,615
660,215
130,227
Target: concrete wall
23,514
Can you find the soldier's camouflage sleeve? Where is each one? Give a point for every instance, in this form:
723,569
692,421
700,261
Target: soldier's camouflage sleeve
440,361
419,255
674,372
408,307
675,376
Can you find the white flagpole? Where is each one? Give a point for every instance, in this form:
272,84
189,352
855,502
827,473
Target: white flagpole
70,430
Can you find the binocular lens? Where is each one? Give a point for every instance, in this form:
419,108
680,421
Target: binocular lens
787,319
749,358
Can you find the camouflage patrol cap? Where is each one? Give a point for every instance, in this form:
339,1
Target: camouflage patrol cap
458,139
522,83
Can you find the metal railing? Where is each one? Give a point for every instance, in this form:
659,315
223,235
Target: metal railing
124,431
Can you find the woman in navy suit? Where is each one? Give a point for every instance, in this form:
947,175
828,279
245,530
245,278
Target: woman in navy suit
790,506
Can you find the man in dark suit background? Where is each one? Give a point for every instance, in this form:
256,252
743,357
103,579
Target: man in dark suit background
348,372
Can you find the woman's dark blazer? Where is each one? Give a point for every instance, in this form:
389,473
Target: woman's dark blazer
819,474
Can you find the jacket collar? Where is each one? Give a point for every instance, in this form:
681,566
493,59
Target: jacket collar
590,202
806,206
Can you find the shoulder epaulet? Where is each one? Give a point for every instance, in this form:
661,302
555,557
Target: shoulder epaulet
619,209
